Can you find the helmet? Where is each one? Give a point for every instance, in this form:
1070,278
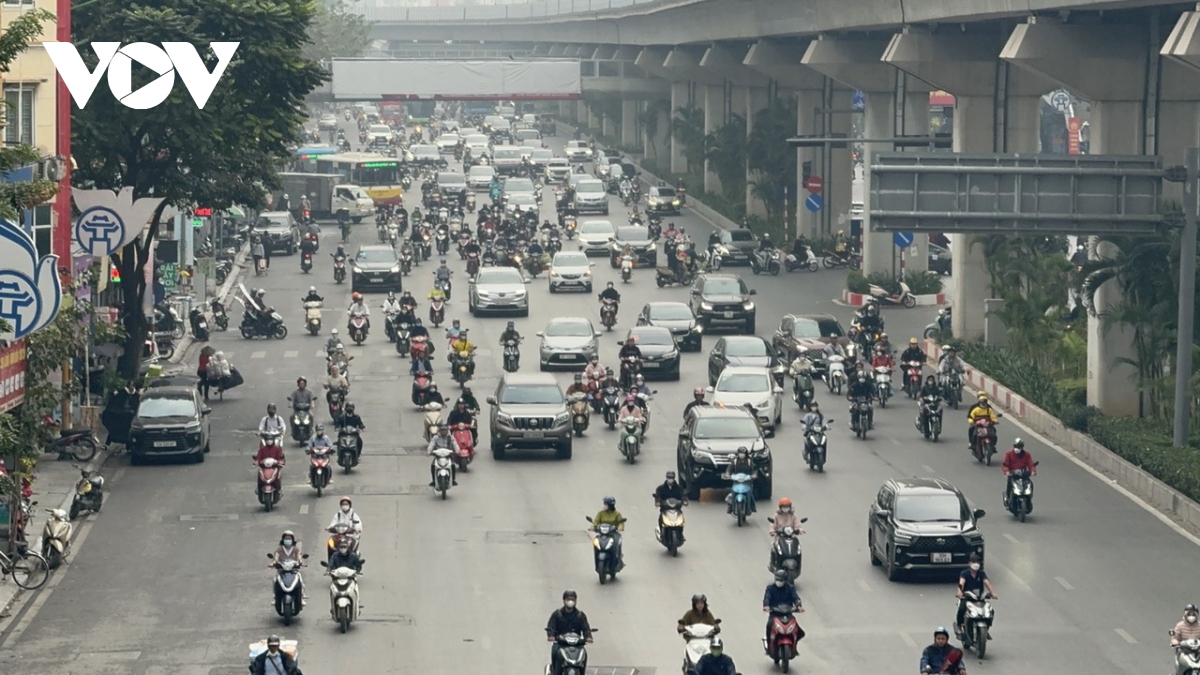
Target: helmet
312,289
743,450
785,501
356,296
340,346
1190,608
698,391
456,322
983,398
391,295
274,639
270,407
319,429
841,233
781,575
912,341
699,597
610,284
629,398
301,381
974,557
286,534
569,593
670,475
349,407
610,501
443,260
1019,442
640,379
883,336
333,332
941,630
717,644
346,500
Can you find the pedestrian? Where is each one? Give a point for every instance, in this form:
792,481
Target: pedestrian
118,413
257,251
202,370
266,250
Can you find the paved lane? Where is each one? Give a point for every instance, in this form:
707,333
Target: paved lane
176,563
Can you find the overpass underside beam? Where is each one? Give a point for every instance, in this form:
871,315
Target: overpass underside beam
781,61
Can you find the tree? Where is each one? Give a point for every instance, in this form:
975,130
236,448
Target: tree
725,150
228,153
770,159
17,197
337,31
648,118
687,126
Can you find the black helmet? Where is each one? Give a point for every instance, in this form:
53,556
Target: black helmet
781,575
974,558
670,475
1019,443
570,593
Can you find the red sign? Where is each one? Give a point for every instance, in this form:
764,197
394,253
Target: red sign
943,99
1073,126
202,212
814,184
12,375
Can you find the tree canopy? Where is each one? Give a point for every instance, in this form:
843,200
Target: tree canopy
337,31
17,197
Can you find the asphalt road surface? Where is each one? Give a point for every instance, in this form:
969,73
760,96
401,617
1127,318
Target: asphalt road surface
172,578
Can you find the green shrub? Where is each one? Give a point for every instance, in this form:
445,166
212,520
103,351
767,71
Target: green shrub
857,283
1147,444
924,283
1078,417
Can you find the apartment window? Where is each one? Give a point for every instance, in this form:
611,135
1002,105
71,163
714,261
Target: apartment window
19,3
40,220
18,114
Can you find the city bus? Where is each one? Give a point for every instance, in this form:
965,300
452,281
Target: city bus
378,175
305,159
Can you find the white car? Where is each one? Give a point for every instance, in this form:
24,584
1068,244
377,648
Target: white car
569,269
498,289
557,170
480,177
522,202
739,385
578,151
379,133
446,143
479,145
594,236
466,131
327,123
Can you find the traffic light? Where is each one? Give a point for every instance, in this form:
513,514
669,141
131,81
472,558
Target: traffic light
114,274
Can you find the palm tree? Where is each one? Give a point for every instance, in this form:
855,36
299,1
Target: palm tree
687,127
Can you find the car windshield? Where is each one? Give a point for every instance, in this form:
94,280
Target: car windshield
596,227
665,192
521,200
518,185
499,276
451,179
380,129
653,337
273,222
528,134
672,312
942,508
590,187
808,328
476,139
448,138
744,383
482,172
576,144
570,260
723,287
376,255
531,394
726,427
167,406
741,235
558,162
569,329
745,348
633,234
508,153
424,151
542,154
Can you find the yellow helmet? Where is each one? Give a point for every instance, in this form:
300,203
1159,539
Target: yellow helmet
982,397
912,341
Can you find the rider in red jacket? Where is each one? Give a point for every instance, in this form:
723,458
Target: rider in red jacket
269,451
1017,458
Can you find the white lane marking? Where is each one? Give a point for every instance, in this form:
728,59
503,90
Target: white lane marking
1063,582
894,441
862,583
258,355
928,469
304,509
291,354
269,371
908,640
1011,538
1125,635
1164,518
387,352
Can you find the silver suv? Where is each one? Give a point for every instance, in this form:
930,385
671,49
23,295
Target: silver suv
529,410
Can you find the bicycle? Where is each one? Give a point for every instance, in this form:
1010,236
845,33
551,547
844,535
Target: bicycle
30,570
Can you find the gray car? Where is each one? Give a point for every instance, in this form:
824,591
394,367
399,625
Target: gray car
529,410
170,422
498,289
568,341
279,231
591,197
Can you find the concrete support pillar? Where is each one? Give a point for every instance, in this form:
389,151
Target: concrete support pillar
973,118
593,120
885,117
658,145
714,117
581,113
839,175
608,126
756,99
564,110
679,99
629,123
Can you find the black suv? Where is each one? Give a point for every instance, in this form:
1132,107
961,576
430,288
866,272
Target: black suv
279,231
170,422
922,524
807,335
721,299
707,442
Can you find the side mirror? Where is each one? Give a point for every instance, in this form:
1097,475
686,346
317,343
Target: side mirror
324,564
491,400
979,513
597,334
778,390
883,513
591,264
804,520
683,433
588,518
708,389
539,334
304,556
205,411
1036,463
653,391
753,292
770,519
270,556
717,622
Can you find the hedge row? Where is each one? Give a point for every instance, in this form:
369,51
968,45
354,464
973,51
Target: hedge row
919,283
1145,443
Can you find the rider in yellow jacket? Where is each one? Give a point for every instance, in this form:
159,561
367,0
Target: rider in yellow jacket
982,408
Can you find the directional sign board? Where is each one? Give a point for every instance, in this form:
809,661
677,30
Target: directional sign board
1061,100
814,185
813,203
902,239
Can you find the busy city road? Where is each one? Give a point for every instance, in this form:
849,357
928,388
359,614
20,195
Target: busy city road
173,575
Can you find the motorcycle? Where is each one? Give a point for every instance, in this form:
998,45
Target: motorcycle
978,622
199,324
472,264
432,419
419,349
741,497
786,553
1187,656
512,356
400,330
607,547
699,640
608,313
570,225
339,269
862,417
358,328
765,261
904,297
851,259
336,398
669,531
443,463
1020,501
302,423
79,443
835,375
803,391
611,397
343,595
319,473
883,384
464,367
939,325
572,655
580,413
952,386
406,262
306,262
982,448
630,367
816,446
56,537
437,312
930,421
631,443
312,316
784,633
791,263
912,378
273,328
347,448
289,599
219,315
466,444
341,532
390,324
166,320
89,493
626,268
269,483
442,241
164,344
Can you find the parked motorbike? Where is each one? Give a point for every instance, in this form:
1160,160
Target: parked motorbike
319,473
581,414
199,324
343,595
288,587
89,493
312,316
978,622
883,384
166,320
786,553
929,422
1020,502
606,543
56,537
940,325
741,497
904,297
269,483
79,443
784,633
669,531
512,356
699,639
765,261
631,444
347,447
358,328
816,445
862,417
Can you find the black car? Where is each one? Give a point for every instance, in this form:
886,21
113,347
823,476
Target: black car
722,300
940,261
922,524
170,422
807,335
640,239
663,200
375,268
279,231
676,317
660,354
707,442
451,183
737,246
427,156
739,350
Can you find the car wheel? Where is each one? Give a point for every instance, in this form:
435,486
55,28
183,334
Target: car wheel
552,288
890,567
525,312
564,450
763,489
750,326
497,450
198,458
693,490
675,376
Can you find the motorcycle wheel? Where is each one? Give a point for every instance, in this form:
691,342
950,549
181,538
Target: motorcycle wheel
603,574
344,623
320,489
280,332
1021,510
987,457
937,431
910,301
774,270
74,511
84,450
166,350
741,518
177,331
784,662
829,262
855,263
221,274
269,504
813,266
313,329
660,281
287,614
981,640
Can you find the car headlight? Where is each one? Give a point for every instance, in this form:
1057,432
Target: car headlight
902,539
672,355
697,328
562,418
587,273
763,405
747,305
700,454
553,272
355,268
706,306
674,202
519,294
395,269
504,419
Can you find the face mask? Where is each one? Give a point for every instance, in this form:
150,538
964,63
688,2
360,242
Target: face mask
1191,618
786,509
569,604
289,542
716,652
346,509
344,551
779,584
975,567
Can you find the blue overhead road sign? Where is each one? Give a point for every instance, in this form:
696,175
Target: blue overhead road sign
902,239
813,203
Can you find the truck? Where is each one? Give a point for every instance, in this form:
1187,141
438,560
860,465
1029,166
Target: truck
328,195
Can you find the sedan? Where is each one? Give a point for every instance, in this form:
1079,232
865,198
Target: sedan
740,385
375,268
327,123
446,143
498,289
578,151
570,270
676,317
595,236
663,200
480,177
660,354
739,350
520,202
557,170
737,246
640,240
568,341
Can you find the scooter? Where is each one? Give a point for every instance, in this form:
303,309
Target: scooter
339,269
219,315
626,268
403,344
166,320
443,467
786,553
199,324
80,443
952,387
905,297
432,419
358,328
883,384
269,483
463,366
572,655
607,547
862,417
347,448
912,378
343,595
406,262
630,445
437,312
312,316
319,473
765,261
699,639
443,284
669,531
791,263
1187,656
982,448
978,623
610,405
785,632
939,325
302,423
581,414
341,532
816,446
56,537
1020,502
512,356
466,445
835,375
740,499
89,493
289,600
803,392
306,262
932,428
608,313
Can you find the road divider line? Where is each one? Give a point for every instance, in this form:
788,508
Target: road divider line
1125,635
1063,582
1011,538
320,353
291,354
908,640
304,509
862,583
258,355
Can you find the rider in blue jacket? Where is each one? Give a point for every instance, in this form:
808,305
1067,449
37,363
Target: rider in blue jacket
780,593
941,656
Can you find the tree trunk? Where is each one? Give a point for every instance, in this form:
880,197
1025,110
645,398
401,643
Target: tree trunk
133,288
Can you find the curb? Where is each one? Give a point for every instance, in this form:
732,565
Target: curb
1084,450
239,264
859,299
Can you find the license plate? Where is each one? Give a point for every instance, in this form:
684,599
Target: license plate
939,558
651,364
535,434
728,315
933,257
570,357
375,281
164,444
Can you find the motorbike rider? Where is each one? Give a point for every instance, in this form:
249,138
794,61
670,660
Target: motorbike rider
391,306
461,414
332,343
272,422
716,661
566,620
442,274
302,398
280,662
352,420
630,350
950,363
418,366
339,253
359,308
307,245
813,421
625,186
860,387
868,318
346,515
610,293
290,549
435,396
929,388
436,294
312,295
468,397
443,440
408,308
471,247
344,557
1015,460
632,409
781,594
320,441
785,517
453,331
765,244
609,514
670,489
335,380
698,612
971,580
641,390
416,330
800,248
1188,627
578,386
697,400
913,353
941,656
270,450
982,408
741,464
510,333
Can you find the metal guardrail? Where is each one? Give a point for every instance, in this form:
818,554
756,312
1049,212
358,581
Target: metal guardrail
484,13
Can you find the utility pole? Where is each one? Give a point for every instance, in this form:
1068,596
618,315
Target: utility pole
1187,298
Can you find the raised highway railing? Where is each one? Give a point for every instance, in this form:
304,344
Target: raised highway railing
499,11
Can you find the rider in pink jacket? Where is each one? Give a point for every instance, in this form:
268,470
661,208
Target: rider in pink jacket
1188,628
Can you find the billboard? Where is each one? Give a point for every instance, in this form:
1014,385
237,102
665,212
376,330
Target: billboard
374,79
12,375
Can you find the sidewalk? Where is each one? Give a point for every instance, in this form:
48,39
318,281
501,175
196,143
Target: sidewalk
53,488
223,293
